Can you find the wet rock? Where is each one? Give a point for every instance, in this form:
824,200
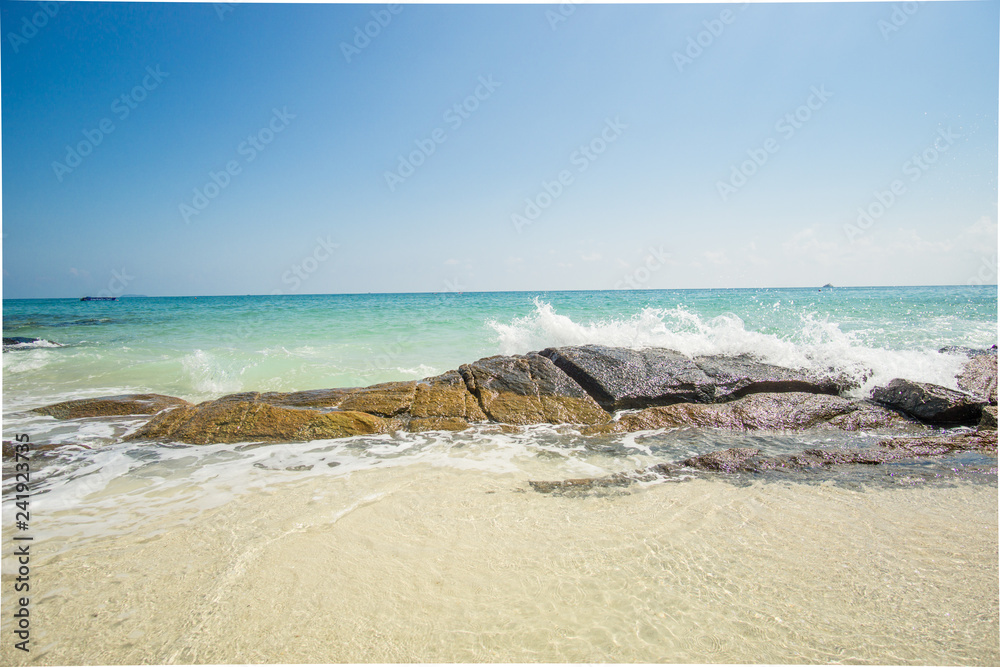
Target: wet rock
989,418
445,395
25,343
735,377
312,398
112,406
785,411
621,378
583,484
386,400
929,402
9,447
979,377
968,351
234,419
422,424
727,460
529,389
749,459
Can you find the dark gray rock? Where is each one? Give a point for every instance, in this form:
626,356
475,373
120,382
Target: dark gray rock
728,460
969,351
25,343
749,460
979,377
989,419
930,403
781,411
735,377
621,378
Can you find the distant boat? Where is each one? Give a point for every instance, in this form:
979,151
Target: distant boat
99,298
827,285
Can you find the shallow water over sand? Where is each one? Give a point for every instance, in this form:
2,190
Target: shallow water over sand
425,563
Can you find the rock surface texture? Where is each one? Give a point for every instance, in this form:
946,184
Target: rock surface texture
581,385
929,402
112,406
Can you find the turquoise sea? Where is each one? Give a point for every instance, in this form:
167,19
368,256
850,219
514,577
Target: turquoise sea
431,547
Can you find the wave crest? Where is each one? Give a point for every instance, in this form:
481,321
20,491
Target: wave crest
814,342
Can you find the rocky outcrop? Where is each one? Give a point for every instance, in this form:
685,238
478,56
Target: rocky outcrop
621,378
446,395
112,406
579,385
979,377
25,343
750,460
529,389
930,403
787,411
245,418
735,377
968,351
989,418
10,447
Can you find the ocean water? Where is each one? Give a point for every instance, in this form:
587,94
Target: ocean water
432,547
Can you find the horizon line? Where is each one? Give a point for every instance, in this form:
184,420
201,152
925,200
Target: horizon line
663,289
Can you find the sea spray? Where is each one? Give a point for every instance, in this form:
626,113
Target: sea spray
815,343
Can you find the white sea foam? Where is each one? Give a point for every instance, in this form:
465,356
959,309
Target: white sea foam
208,375
816,343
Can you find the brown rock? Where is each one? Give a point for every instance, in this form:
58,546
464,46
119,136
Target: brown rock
421,424
529,389
386,400
9,447
446,395
312,398
111,406
233,419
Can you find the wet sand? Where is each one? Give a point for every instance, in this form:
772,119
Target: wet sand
426,564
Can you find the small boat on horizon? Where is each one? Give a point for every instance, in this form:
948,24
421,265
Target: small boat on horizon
99,298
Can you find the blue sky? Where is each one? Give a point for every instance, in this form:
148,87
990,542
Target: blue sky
172,149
